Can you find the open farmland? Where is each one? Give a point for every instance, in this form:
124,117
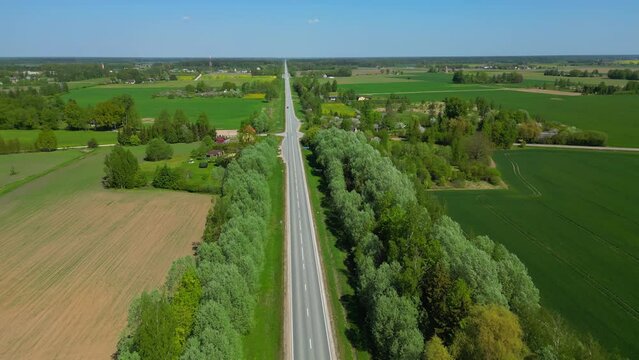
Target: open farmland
74,255
65,137
618,115
572,219
223,113
29,165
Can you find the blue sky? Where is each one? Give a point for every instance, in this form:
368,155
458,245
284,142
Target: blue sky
329,28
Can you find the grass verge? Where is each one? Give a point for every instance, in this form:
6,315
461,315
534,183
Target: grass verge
265,341
334,258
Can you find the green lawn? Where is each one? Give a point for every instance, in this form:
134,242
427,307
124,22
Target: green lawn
223,113
207,179
334,258
572,218
65,137
339,108
265,341
88,83
29,166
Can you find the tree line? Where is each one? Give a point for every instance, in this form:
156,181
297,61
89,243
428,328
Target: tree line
623,74
572,73
172,129
30,109
217,289
482,77
424,286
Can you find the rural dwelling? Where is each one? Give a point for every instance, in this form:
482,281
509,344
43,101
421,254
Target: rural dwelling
221,140
214,153
362,98
332,96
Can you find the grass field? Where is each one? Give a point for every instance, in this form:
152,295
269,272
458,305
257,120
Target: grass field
572,218
265,341
223,113
337,108
30,165
334,258
618,116
65,137
73,255
87,83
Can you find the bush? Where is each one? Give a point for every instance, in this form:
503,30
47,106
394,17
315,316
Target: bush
158,149
166,178
46,141
92,143
134,140
122,170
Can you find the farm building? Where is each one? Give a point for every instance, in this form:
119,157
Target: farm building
214,153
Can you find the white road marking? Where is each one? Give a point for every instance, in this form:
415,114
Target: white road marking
307,313
310,343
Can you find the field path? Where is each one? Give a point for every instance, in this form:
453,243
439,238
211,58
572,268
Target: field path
577,147
73,256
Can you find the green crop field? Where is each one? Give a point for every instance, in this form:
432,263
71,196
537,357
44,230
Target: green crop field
27,166
65,137
572,218
223,113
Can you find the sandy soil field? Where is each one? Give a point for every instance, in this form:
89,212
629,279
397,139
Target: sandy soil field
72,256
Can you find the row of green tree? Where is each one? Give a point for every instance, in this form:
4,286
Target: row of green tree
423,286
29,109
602,88
172,129
483,77
623,74
218,292
572,73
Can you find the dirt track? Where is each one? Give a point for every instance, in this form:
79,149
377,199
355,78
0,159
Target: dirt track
72,261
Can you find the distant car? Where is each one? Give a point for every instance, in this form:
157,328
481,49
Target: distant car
287,107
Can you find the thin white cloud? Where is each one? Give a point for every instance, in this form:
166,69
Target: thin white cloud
313,21
186,18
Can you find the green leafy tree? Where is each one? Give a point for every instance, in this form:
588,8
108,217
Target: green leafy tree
46,140
157,149
156,336
202,127
108,115
75,116
184,305
454,107
166,178
490,332
394,328
435,350
122,169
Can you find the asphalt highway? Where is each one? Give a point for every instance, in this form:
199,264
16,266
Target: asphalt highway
310,334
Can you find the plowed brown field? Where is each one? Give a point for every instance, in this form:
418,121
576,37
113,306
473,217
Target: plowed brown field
73,256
